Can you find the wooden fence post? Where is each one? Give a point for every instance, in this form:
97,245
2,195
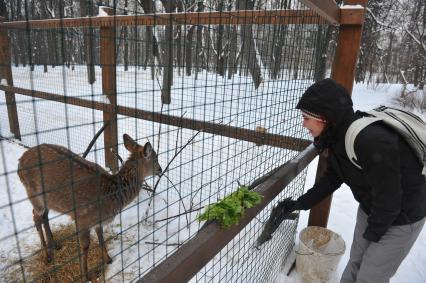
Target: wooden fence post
109,89
6,74
343,72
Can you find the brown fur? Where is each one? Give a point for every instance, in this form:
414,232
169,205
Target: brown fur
56,178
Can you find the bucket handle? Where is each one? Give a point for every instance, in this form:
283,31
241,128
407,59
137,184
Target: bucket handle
327,254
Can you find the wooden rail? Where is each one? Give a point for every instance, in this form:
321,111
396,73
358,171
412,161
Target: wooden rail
326,9
256,137
260,17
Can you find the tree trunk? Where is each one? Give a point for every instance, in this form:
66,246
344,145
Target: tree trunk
198,46
188,50
45,41
178,39
322,48
248,48
151,50
87,10
126,42
232,61
188,47
13,36
277,48
388,58
32,43
3,11
21,42
168,56
220,68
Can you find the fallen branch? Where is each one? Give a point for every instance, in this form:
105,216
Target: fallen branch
165,171
164,244
180,198
186,212
92,142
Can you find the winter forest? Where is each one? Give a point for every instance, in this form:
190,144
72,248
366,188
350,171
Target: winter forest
393,48
232,120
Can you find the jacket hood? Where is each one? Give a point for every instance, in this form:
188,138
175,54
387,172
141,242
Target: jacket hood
331,101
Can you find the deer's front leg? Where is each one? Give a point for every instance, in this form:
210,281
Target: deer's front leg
84,244
107,259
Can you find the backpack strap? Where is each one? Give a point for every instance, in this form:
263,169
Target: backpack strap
354,129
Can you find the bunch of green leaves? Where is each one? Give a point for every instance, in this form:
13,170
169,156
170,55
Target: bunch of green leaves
230,209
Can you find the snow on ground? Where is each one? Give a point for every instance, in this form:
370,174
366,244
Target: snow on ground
243,99
344,207
206,170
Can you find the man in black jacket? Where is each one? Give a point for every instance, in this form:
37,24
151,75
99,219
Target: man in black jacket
390,188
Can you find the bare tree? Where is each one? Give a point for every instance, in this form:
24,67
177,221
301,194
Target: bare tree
86,9
248,46
151,49
199,51
220,68
393,43
3,11
169,6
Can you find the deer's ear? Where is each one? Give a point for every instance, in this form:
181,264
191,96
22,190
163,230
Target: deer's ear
130,144
147,150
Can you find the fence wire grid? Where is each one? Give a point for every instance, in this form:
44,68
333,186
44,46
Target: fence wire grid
172,82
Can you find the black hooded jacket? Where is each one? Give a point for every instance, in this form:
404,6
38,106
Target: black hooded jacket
390,188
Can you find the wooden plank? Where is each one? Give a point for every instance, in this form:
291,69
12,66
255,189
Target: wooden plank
343,72
327,9
320,212
109,88
182,265
352,16
259,138
346,55
6,74
243,17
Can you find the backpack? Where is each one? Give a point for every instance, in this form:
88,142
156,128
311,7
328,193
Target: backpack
409,126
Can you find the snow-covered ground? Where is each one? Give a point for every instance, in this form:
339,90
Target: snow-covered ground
344,207
65,125
207,169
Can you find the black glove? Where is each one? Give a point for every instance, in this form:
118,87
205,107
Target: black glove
287,206
283,210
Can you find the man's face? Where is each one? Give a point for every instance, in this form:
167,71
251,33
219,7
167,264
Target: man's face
314,126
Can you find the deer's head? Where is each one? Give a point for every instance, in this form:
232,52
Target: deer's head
144,156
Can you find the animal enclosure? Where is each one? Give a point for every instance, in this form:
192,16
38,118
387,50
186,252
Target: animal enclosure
211,85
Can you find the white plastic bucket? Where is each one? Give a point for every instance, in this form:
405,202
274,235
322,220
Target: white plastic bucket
319,253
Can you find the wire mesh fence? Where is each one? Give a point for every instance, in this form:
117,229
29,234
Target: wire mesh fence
209,98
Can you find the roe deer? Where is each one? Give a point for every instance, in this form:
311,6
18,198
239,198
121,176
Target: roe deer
56,178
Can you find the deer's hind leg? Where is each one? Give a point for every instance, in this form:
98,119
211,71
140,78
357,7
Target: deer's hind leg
84,237
51,243
38,221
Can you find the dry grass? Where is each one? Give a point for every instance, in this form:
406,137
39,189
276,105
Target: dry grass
66,264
